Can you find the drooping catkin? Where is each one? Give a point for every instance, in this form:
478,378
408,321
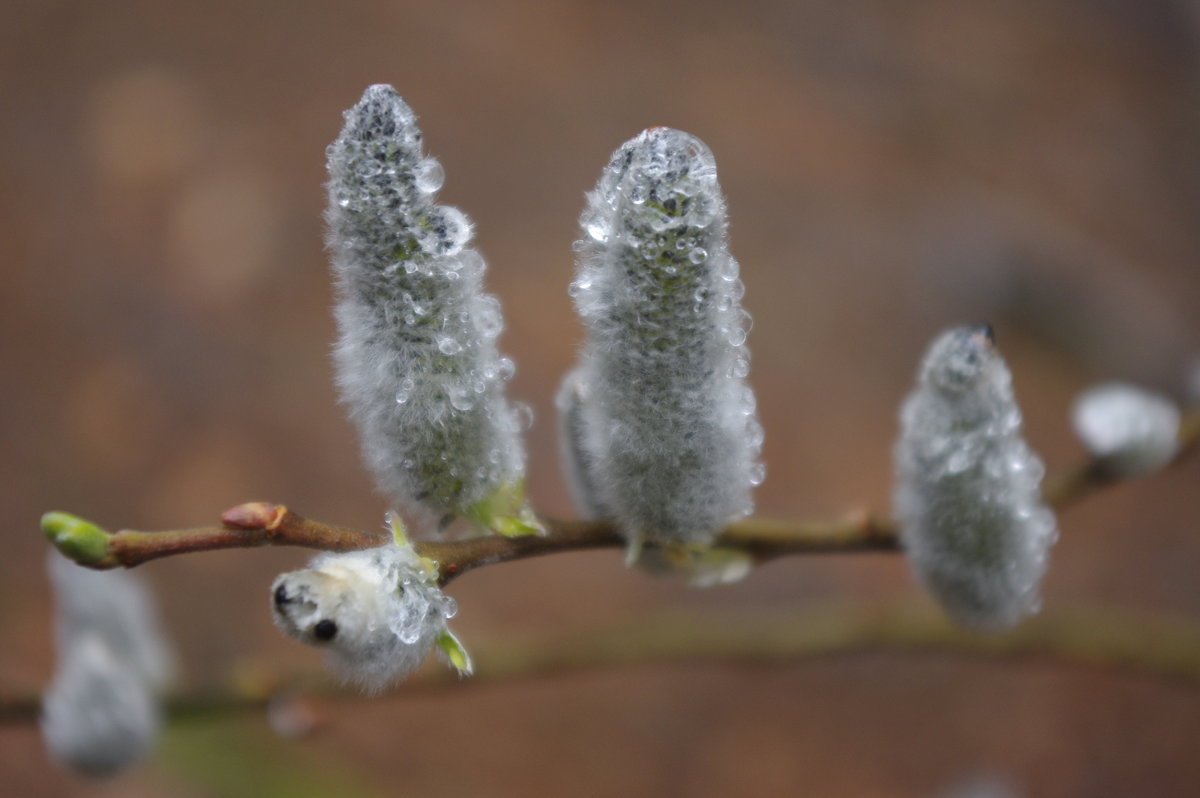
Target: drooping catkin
101,712
416,358
378,612
98,717
967,494
116,605
668,422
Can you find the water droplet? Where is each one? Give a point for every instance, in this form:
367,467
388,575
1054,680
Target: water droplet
754,434
595,224
584,283
457,230
728,270
344,202
461,398
506,368
698,255
471,264
490,320
524,414
758,473
746,401
449,607
597,232
449,346
429,176
736,336
405,391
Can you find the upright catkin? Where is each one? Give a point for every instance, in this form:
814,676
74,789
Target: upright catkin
416,356
967,494
667,423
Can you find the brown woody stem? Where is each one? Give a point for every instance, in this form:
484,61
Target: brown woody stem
264,524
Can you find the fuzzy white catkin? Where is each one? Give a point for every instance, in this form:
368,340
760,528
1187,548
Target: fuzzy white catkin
416,359
98,715
1134,431
116,605
101,711
668,424
967,494
377,612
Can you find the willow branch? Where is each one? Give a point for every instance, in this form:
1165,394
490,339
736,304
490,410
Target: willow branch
1093,474
244,526
263,524
1149,646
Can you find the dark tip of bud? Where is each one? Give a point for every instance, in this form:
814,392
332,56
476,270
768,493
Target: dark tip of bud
985,329
325,630
281,596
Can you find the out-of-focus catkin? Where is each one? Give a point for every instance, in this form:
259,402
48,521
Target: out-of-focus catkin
101,713
967,494
1133,431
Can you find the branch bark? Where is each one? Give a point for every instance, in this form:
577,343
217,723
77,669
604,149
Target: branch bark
263,524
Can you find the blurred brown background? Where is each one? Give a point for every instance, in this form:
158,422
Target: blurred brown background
891,168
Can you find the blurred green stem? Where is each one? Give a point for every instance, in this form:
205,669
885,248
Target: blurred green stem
1148,645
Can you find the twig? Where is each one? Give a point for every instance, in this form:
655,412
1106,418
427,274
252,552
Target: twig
1147,645
244,526
261,524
